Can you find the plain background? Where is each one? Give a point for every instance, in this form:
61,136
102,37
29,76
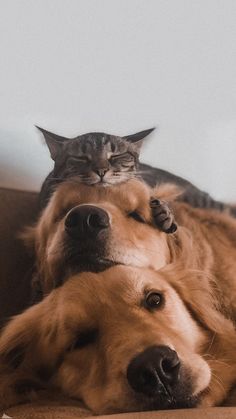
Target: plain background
121,66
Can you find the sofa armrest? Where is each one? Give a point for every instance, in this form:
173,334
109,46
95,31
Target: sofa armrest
17,209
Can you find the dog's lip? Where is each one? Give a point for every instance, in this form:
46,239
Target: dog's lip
161,392
202,393
154,403
166,398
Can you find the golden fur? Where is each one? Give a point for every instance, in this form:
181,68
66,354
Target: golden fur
205,239
195,269
129,242
37,348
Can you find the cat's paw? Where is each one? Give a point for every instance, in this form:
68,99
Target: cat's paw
163,216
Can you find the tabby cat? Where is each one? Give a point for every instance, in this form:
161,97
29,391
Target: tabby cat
102,159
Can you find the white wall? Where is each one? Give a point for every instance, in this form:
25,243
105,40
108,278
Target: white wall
120,66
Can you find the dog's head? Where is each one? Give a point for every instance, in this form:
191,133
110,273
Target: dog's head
89,229
120,340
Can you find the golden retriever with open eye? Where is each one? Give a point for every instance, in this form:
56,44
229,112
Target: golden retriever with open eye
126,339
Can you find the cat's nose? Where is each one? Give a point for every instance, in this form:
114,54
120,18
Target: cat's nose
101,172
86,220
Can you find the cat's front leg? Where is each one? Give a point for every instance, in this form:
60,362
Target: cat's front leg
163,216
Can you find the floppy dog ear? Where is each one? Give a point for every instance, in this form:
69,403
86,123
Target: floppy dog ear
16,346
53,141
28,354
137,139
196,289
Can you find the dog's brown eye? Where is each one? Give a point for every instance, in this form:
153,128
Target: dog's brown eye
136,216
84,338
154,300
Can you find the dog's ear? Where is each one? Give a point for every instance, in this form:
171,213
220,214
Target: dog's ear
17,343
137,138
196,289
54,142
29,352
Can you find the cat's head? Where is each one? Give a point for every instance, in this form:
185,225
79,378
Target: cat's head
95,158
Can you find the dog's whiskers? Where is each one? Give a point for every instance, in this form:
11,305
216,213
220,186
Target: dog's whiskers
211,343
214,360
219,382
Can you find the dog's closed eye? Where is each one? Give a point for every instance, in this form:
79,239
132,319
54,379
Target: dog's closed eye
84,338
136,216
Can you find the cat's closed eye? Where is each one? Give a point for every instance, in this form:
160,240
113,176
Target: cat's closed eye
72,161
123,156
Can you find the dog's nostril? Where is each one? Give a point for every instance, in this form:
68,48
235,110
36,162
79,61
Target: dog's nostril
170,367
166,365
72,220
97,220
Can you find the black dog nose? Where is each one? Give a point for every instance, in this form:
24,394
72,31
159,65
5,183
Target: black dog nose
154,371
86,220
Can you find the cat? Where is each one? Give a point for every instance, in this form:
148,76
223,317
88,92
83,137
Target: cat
95,159
102,159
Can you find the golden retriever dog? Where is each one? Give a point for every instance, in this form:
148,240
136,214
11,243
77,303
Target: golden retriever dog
90,229
126,339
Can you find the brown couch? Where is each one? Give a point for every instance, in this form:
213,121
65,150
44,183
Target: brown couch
18,208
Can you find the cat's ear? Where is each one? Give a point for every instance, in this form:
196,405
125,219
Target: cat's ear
137,139
53,141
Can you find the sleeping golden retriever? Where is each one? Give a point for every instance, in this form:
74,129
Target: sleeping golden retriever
90,229
126,339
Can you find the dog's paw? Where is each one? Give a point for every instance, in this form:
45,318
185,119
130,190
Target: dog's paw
163,216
